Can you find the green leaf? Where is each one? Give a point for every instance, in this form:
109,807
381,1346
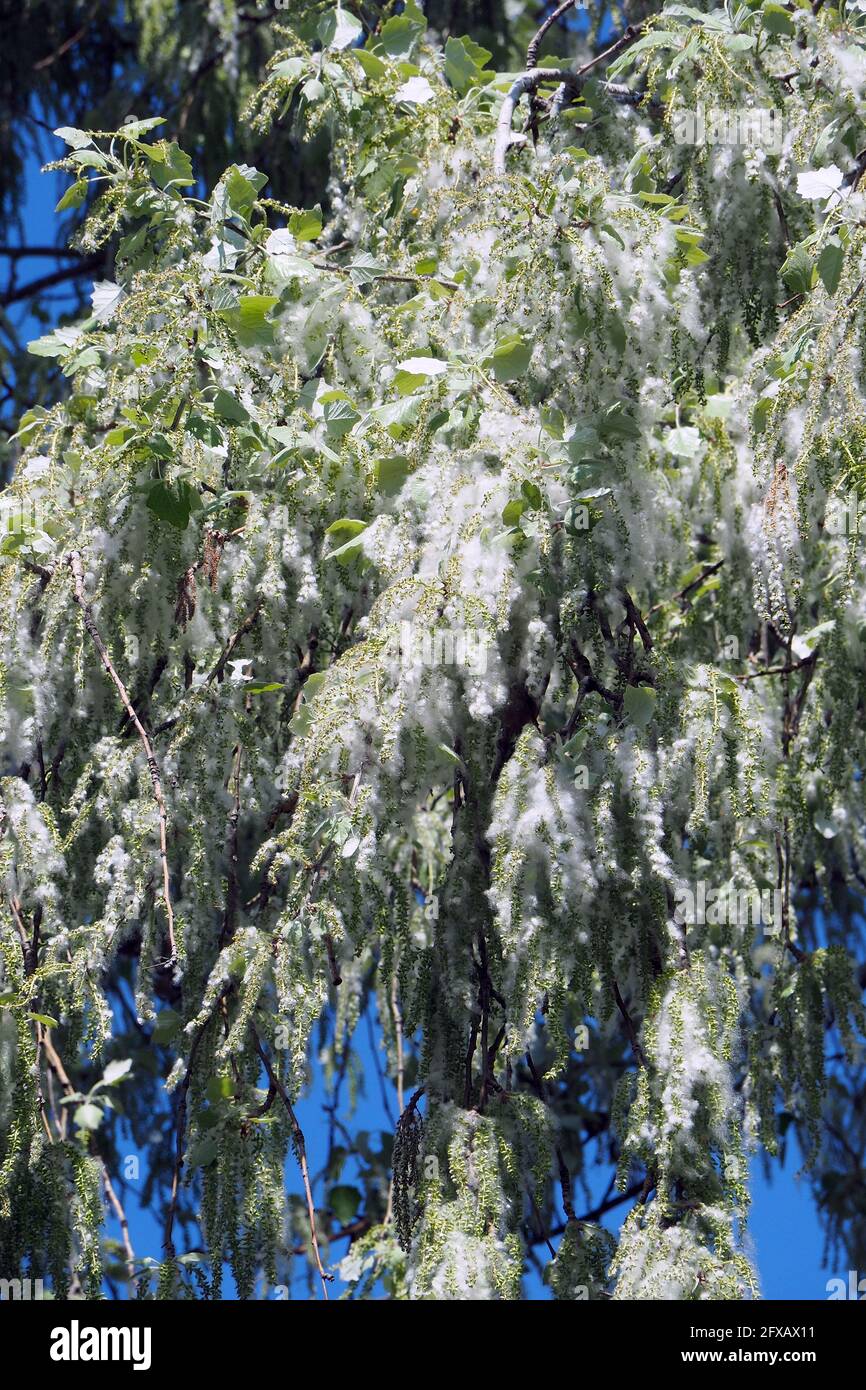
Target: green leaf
78,139
247,319
89,159
352,550
203,1152
552,421
616,331
532,494
659,38
173,504
133,130
365,269
242,186
344,1202
684,443
511,357
464,59
263,687
205,430
74,196
313,685
798,270
639,702
513,511
121,436
830,264
618,424
399,35
340,418
229,408
116,1071
45,1019
159,445
450,754
776,20
167,1026
415,371
346,528
289,69
219,1088
306,226
391,473
339,29
56,344
398,417
177,169
299,724
582,442
373,66
88,1116
575,745
313,91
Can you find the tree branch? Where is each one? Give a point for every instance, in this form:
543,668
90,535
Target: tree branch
57,277
180,1129
300,1149
74,562
535,42
637,1050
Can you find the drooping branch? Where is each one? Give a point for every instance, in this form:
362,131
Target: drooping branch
300,1150
74,562
180,1128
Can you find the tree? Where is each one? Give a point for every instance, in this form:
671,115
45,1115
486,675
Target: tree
196,63
446,603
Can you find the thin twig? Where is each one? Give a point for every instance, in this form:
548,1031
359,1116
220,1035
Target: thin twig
637,1050
230,916
535,42
246,626
117,1206
564,1175
180,1129
74,562
781,670
300,1150
684,593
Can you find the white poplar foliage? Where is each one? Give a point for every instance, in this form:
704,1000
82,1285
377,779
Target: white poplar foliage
595,426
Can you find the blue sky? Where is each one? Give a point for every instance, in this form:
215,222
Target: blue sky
788,1242
785,1238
